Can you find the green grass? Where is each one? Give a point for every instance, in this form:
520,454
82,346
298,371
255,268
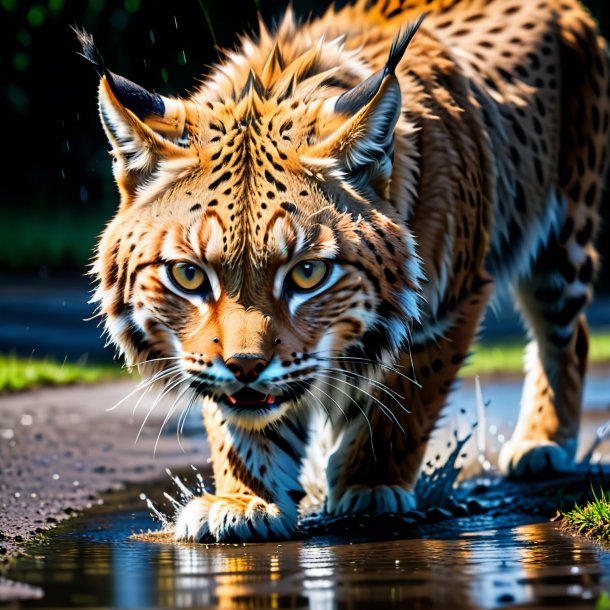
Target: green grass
508,358
592,519
23,374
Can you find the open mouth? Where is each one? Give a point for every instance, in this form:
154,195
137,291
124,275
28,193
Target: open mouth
249,398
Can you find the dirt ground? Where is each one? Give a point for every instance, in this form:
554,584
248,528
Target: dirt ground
60,448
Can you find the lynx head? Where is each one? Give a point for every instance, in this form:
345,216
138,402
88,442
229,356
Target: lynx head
254,248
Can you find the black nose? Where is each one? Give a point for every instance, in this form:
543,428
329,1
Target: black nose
246,367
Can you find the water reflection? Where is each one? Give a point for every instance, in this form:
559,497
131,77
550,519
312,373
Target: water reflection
95,564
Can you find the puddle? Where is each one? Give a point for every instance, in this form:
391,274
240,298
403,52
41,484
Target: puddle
92,562
494,556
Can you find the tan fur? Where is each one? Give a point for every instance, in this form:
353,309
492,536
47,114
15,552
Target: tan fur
480,158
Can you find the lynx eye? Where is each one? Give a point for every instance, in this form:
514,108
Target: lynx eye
187,277
308,275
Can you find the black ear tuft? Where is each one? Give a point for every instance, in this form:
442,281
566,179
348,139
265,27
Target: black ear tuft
401,42
90,51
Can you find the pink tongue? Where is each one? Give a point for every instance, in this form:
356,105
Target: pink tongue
269,400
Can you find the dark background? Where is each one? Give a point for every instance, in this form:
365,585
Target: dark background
56,188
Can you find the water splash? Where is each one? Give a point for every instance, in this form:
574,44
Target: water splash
179,501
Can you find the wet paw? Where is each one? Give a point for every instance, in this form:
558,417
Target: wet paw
521,459
382,499
228,518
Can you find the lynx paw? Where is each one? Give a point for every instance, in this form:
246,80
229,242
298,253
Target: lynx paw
382,499
224,518
521,459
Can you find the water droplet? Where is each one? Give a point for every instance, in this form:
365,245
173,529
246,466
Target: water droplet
26,420
7,433
55,477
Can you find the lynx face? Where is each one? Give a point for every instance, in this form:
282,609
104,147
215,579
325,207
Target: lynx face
254,255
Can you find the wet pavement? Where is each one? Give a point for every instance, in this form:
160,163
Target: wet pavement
493,556
93,562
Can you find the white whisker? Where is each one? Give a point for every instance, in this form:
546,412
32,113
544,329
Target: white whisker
384,408
332,385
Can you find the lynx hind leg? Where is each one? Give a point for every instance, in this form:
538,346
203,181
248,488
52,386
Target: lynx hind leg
545,438
559,286
551,301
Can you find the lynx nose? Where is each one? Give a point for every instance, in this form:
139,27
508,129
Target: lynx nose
246,367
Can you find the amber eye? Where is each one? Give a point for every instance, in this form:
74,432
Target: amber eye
187,277
309,275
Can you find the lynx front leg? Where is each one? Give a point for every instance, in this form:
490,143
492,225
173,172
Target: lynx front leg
375,469
257,483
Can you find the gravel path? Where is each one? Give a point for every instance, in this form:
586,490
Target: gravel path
60,448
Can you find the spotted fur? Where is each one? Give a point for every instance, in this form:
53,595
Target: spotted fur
420,180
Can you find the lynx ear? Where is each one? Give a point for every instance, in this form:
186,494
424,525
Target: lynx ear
358,145
143,128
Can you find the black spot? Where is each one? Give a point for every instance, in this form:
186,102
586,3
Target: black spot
559,341
437,365
570,310
539,172
389,245
389,276
425,372
595,117
518,131
220,180
575,192
591,195
195,207
592,156
583,236
212,203
567,270
548,294
290,207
